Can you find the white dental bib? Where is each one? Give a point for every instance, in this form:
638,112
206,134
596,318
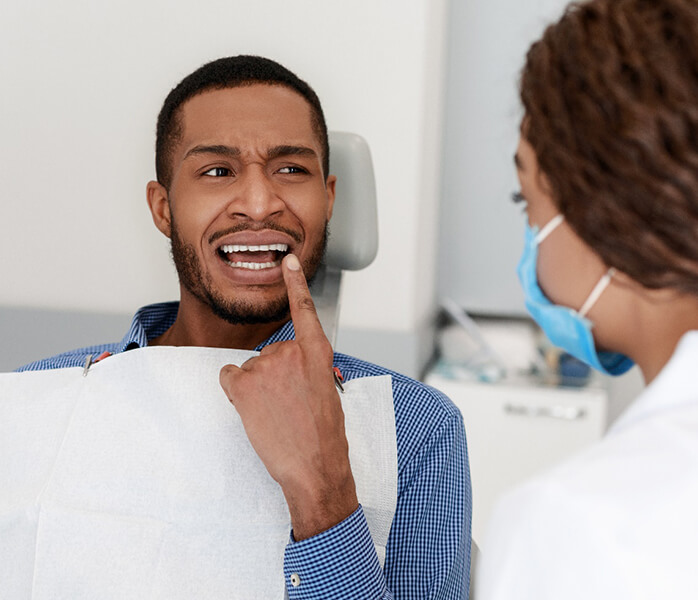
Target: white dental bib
138,481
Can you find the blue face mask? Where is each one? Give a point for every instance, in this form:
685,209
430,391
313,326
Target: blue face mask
565,327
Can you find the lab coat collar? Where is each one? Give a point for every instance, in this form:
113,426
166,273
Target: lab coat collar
673,388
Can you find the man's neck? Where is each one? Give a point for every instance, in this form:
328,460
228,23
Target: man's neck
197,325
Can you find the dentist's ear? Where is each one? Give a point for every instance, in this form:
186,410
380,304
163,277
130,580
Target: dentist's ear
159,204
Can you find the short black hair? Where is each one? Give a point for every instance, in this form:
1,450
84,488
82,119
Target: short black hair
230,72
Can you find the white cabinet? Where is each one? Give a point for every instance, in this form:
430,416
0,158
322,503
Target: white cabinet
516,430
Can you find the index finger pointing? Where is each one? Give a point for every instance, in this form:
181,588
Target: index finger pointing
305,320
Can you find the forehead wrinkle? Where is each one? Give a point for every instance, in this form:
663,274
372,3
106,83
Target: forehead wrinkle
235,152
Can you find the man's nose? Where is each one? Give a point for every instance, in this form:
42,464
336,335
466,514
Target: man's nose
255,197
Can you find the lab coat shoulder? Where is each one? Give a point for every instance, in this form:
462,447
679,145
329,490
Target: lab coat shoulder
544,541
610,524
619,519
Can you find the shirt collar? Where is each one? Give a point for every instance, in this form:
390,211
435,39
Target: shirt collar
283,334
155,319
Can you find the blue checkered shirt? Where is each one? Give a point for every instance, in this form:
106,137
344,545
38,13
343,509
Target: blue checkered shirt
428,551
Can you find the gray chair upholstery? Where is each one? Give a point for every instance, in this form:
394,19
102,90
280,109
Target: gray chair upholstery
353,241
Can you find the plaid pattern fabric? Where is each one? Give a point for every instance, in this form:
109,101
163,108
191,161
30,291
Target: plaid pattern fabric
428,551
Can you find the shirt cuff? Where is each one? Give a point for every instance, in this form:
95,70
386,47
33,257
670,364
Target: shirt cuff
340,562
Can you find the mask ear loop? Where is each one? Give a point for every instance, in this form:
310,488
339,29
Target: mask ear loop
548,229
596,292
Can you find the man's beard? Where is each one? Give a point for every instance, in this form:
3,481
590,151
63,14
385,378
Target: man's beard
232,310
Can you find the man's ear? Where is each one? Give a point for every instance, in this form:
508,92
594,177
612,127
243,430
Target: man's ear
330,186
159,204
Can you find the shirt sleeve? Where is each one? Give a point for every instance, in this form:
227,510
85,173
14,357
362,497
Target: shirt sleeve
427,556
338,563
428,552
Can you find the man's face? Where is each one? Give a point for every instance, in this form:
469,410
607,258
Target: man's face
247,188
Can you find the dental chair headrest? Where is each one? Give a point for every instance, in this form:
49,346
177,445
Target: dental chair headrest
353,242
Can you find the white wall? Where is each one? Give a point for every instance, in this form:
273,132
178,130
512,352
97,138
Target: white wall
481,232
82,85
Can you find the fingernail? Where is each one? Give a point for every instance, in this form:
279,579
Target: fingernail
292,263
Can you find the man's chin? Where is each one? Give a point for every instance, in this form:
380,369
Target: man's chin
250,313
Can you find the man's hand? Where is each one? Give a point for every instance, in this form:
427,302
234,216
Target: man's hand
293,417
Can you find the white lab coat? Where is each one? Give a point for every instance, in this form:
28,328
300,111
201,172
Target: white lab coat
619,520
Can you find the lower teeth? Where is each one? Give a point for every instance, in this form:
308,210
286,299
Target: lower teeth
252,266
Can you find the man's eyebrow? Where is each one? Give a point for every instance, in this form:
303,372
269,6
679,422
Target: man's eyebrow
286,150
220,149
518,163
234,152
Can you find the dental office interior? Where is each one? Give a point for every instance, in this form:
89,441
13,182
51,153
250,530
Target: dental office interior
430,84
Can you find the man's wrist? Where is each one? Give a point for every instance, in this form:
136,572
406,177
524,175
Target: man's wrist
313,514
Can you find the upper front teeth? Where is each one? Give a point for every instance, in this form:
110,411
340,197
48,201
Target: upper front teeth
263,248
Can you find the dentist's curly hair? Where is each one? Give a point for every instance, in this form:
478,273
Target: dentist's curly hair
610,94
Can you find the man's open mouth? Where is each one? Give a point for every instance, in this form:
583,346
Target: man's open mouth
253,257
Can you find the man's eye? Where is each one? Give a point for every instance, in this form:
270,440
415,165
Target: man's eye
291,170
218,172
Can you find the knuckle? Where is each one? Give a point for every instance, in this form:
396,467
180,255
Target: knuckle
250,364
274,348
294,353
305,303
322,353
325,349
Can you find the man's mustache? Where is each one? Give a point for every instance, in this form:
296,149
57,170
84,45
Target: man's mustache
295,236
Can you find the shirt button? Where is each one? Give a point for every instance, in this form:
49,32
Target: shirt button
295,580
